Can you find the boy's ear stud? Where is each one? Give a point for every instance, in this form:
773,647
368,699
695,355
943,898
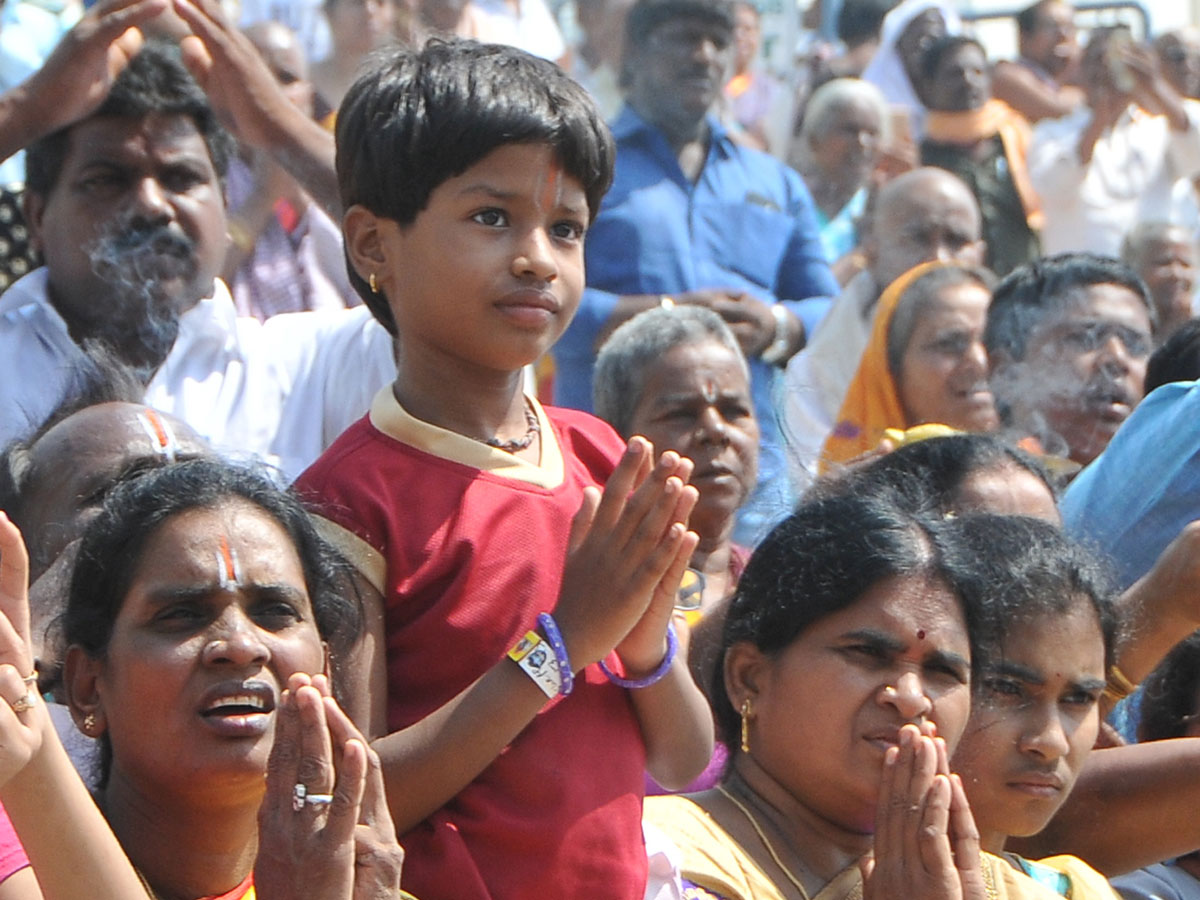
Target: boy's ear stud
373,283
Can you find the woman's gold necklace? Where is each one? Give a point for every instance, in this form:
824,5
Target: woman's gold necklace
763,837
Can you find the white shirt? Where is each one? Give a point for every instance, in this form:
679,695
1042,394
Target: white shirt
274,390
817,378
529,27
663,881
329,366
1133,169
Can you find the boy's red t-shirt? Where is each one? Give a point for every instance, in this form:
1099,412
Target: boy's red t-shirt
467,545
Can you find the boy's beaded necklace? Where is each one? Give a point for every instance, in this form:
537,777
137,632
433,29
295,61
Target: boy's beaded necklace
516,445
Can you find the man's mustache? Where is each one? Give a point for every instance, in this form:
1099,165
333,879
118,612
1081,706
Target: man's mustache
122,251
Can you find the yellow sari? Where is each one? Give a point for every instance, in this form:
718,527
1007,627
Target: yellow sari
721,869
872,402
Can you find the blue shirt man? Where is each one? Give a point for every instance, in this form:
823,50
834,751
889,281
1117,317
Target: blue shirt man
696,218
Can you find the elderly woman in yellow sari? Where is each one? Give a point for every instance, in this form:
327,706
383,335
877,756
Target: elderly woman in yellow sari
925,362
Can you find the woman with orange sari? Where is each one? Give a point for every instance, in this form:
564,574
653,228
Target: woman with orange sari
924,364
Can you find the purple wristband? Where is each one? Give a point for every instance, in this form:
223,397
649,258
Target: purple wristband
554,636
654,677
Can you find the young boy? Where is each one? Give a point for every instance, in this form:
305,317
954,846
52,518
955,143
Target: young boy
470,174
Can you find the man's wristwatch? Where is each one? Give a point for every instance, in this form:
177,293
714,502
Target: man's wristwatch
776,353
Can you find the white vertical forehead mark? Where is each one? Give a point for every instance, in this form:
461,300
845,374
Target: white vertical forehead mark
229,569
161,434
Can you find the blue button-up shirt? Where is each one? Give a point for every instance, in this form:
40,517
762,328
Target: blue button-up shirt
746,224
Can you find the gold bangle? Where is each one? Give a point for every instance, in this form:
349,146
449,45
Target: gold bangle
1118,686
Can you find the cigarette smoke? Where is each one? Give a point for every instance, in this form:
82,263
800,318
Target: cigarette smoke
144,265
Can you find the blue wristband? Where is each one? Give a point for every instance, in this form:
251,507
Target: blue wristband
554,636
654,677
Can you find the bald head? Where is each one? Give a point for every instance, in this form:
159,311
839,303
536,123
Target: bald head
283,53
921,216
271,36
70,468
59,481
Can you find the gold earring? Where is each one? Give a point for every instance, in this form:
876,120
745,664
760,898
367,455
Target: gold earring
747,712
374,284
89,723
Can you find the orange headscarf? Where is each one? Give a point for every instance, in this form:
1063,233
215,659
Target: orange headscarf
994,117
872,403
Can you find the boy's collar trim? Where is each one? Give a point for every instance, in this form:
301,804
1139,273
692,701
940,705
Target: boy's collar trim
389,417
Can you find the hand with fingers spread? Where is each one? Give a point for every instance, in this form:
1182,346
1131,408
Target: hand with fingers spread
325,832
77,76
230,69
250,102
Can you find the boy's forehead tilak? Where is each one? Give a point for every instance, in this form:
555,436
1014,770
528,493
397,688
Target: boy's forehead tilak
544,184
551,187
557,188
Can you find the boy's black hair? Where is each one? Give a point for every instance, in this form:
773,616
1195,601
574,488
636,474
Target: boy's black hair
1030,293
155,81
415,119
645,16
1178,359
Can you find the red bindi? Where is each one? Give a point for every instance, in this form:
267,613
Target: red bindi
920,634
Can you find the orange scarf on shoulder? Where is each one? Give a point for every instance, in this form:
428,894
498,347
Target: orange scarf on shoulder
872,403
993,118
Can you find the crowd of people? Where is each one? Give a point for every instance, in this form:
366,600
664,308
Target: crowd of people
793,470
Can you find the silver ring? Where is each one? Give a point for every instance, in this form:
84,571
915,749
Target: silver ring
24,702
301,798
